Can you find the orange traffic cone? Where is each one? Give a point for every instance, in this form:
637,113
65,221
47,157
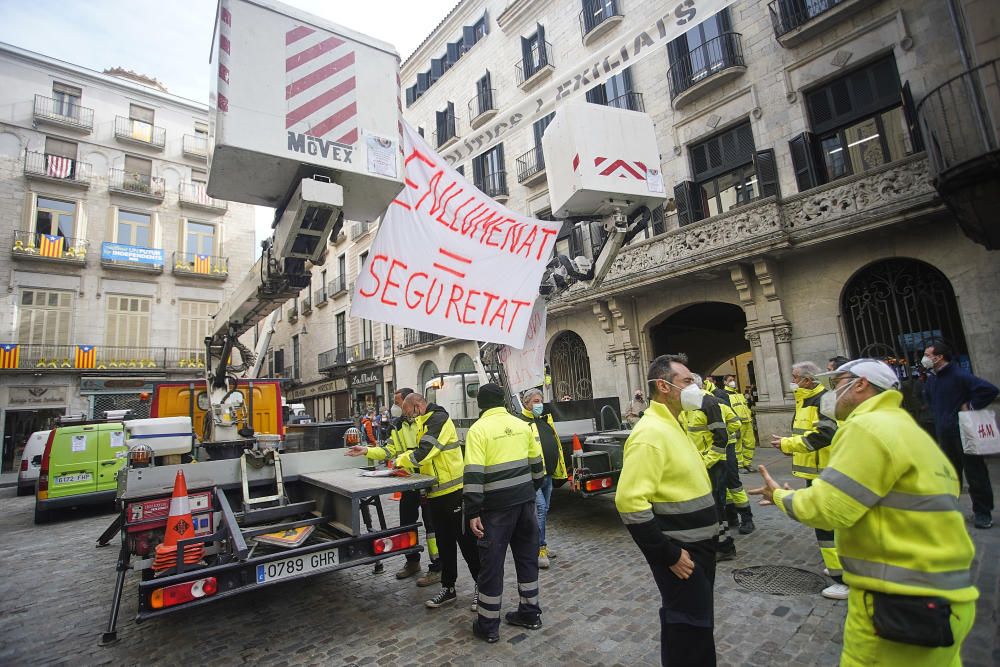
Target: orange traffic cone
577,447
396,496
180,526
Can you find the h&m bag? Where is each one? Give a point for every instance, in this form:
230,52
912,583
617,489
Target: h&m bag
980,432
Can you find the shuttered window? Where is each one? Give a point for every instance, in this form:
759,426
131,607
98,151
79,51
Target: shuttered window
196,323
128,320
45,317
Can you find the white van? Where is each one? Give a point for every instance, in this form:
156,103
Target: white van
31,462
456,393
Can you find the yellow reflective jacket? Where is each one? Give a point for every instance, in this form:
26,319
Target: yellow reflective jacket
664,495
401,439
503,463
557,464
891,497
742,410
811,436
438,452
710,428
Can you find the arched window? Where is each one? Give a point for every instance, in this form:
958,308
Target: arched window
462,363
570,367
894,308
427,372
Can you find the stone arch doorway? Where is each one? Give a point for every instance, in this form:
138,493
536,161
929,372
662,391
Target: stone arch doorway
428,370
570,367
894,307
710,334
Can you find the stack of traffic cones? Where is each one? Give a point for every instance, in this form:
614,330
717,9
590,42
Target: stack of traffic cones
180,526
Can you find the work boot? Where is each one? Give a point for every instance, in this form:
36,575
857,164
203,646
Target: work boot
479,633
532,622
475,600
746,522
981,520
543,558
444,596
836,592
432,577
732,517
411,568
726,551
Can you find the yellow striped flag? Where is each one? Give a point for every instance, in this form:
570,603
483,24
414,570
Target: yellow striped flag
202,264
50,246
10,354
86,356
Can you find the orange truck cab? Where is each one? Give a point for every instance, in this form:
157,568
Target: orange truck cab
189,398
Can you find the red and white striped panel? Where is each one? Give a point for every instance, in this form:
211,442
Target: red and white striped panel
58,167
621,168
320,85
225,53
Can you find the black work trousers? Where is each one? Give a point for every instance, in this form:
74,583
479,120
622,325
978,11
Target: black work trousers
409,512
718,475
974,468
452,535
687,617
516,527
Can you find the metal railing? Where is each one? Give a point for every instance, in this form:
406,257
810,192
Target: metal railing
787,15
482,102
960,118
446,131
195,144
362,352
319,296
190,263
57,167
527,69
141,132
596,12
416,337
629,101
386,347
102,357
529,164
332,358
307,304
195,193
359,229
63,111
703,61
336,286
46,246
134,182
493,185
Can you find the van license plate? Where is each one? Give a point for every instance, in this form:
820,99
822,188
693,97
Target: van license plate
293,567
69,479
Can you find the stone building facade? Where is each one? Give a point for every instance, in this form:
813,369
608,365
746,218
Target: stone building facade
114,257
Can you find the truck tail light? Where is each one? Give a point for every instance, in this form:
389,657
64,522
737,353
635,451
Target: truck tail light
385,545
43,473
181,593
24,465
598,484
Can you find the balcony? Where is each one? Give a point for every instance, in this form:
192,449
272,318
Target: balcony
57,169
447,132
201,266
47,248
193,195
293,315
359,229
531,167
332,360
361,352
706,68
337,286
387,347
413,337
307,305
131,131
628,101
69,358
195,146
63,113
134,184
960,120
530,73
482,107
133,258
796,21
319,297
598,18
494,185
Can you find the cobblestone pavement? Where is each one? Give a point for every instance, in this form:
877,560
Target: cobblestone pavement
598,598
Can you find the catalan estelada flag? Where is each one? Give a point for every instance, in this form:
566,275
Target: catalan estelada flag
50,246
86,356
10,354
202,264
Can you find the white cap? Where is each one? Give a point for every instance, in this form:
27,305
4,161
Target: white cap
877,372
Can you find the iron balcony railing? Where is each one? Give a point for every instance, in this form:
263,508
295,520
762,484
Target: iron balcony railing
64,111
529,164
628,101
195,194
50,247
362,352
332,358
482,102
787,15
703,61
57,167
190,263
446,130
336,286
140,132
98,357
596,12
493,185
541,58
195,145
307,304
415,337
319,296
135,183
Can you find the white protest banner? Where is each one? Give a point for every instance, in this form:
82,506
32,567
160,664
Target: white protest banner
597,69
449,260
525,368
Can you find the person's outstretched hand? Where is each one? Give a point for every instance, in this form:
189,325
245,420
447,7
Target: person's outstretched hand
767,491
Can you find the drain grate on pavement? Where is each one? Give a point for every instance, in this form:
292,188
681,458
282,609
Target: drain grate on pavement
779,580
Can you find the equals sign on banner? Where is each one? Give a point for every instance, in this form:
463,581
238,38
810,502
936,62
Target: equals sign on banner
454,258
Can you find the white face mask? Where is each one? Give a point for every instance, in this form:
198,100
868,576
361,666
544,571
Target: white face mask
828,402
731,384
691,396
396,411
793,386
927,362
